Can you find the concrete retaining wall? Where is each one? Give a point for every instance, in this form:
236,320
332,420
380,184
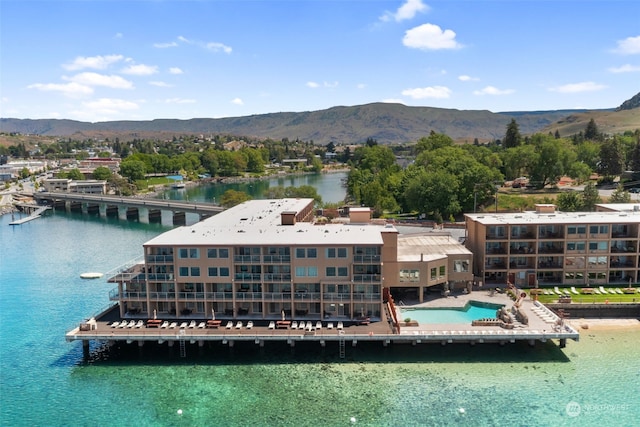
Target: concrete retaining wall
598,310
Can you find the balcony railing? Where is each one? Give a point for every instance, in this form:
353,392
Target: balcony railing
159,259
366,259
159,277
277,277
162,295
367,297
276,259
336,296
248,296
191,295
247,276
250,259
367,277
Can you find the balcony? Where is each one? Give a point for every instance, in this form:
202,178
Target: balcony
522,249
550,249
191,296
357,297
276,259
247,276
160,277
496,265
366,259
277,277
248,296
247,259
367,277
162,295
336,296
159,259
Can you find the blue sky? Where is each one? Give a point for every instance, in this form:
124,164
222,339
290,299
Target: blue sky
148,59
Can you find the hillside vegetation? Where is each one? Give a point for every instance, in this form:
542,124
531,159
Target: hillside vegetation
384,122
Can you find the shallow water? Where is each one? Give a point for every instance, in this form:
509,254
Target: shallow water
45,382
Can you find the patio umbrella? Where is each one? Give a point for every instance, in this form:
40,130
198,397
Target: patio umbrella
213,314
154,314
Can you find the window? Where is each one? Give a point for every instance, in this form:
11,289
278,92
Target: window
223,253
409,275
336,252
343,271
461,266
300,252
189,253
301,271
442,270
213,271
312,253
575,246
184,271
312,271
433,274
331,271
183,253
306,271
576,229
598,246
212,253
195,271
224,271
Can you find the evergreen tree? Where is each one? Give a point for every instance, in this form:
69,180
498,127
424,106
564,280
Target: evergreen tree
590,197
591,131
620,195
512,138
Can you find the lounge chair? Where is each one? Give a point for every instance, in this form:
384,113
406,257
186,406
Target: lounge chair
115,324
131,324
330,325
557,291
309,326
192,324
229,324
173,325
340,325
139,324
183,325
619,291
249,324
201,325
318,325
165,324
595,291
294,325
574,291
302,325
272,325
239,325
602,290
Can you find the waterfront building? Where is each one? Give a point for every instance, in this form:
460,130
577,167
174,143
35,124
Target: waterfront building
547,247
65,185
264,259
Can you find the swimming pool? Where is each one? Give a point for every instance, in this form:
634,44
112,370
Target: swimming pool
473,310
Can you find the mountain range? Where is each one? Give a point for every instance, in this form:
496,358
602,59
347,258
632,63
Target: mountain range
385,122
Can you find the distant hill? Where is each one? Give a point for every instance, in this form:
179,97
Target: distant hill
385,122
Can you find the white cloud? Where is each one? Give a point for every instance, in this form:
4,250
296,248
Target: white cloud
165,45
578,87
179,101
491,90
95,79
175,70
110,106
330,84
627,68
140,70
361,85
160,84
407,11
237,101
465,78
430,37
211,46
313,85
628,46
438,92
218,47
72,89
96,62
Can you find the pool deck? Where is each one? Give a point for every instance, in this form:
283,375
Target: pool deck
543,325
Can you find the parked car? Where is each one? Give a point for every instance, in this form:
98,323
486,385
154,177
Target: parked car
634,190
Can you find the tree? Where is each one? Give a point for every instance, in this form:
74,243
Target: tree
620,195
133,169
591,131
569,201
512,138
612,157
433,142
232,198
102,173
75,175
590,197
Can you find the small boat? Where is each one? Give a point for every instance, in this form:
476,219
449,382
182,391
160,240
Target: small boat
178,185
91,275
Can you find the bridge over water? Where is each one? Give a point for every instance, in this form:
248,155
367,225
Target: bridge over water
111,206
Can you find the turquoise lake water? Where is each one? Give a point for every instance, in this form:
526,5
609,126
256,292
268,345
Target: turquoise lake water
450,315
44,382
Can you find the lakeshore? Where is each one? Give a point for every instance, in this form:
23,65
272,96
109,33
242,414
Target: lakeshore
46,382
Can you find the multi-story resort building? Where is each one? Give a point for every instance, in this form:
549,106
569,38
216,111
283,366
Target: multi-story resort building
265,258
547,247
